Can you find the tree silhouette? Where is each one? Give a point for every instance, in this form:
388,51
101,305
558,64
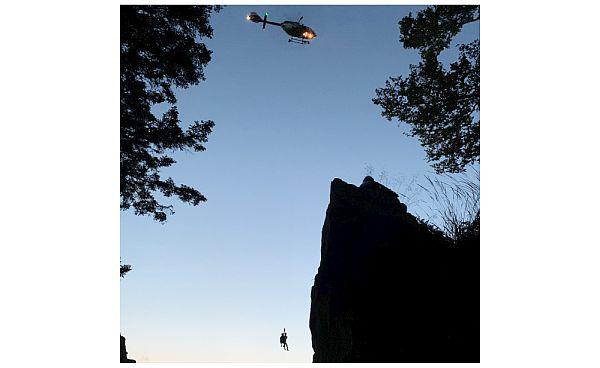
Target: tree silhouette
440,104
125,269
160,50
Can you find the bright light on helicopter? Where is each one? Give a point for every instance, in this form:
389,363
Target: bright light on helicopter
248,17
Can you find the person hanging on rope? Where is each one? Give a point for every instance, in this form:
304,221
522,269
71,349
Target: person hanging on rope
283,340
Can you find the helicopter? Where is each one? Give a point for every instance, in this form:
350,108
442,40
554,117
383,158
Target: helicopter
299,32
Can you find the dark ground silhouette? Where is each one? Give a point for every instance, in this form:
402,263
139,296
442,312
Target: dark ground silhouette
124,358
389,289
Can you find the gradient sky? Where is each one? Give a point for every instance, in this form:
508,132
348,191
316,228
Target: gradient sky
218,282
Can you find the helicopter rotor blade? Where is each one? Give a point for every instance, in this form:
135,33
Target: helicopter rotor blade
302,17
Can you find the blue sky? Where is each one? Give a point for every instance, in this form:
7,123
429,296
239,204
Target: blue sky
218,282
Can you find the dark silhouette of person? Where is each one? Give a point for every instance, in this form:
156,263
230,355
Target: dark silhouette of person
283,340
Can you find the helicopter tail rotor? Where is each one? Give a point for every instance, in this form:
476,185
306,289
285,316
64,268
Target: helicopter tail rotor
265,20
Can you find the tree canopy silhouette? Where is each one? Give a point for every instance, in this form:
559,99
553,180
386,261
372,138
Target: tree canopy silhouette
160,50
440,104
125,269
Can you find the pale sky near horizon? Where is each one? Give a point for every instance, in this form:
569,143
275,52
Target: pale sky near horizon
219,282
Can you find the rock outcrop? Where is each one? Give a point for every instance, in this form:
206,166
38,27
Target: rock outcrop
388,288
124,358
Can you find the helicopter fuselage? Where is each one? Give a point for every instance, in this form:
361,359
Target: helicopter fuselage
298,30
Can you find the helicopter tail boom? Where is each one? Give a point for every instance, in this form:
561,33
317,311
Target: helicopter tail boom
254,17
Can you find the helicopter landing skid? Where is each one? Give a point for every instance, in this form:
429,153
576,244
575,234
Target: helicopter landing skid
299,40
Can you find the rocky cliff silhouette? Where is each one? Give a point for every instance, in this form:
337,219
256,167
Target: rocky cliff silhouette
390,289
124,358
